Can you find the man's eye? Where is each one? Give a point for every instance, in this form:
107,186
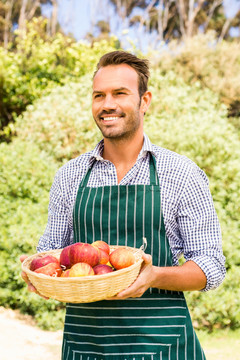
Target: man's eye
121,93
97,96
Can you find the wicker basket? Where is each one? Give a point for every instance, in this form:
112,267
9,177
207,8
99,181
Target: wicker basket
84,289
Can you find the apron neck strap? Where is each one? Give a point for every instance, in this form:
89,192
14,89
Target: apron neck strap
85,179
154,180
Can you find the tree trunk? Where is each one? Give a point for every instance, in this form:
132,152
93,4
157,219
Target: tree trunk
225,29
190,20
182,16
160,20
192,13
22,16
54,17
33,10
215,4
163,18
7,24
144,19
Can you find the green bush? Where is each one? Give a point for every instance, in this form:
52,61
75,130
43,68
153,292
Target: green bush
214,64
186,119
36,63
26,175
219,308
61,123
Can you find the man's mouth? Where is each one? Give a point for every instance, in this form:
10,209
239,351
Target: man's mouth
110,118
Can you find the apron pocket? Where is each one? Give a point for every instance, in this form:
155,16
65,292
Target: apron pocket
164,352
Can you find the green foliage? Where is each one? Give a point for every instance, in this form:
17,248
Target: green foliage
37,63
26,175
61,123
219,308
213,64
184,117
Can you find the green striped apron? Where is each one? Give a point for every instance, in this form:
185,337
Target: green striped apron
156,326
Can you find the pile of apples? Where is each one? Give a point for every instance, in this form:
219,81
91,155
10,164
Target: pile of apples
82,259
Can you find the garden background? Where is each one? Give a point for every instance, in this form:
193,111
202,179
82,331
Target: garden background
45,120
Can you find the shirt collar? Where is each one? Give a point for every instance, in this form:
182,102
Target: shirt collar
96,153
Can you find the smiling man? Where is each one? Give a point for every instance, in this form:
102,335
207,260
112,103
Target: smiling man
123,190
118,111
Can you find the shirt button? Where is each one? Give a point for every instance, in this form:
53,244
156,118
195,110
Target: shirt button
110,171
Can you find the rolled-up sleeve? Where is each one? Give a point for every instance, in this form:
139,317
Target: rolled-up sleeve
200,230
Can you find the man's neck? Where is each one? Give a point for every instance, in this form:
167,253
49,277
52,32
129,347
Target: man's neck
123,153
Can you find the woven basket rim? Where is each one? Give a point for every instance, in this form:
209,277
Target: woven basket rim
27,261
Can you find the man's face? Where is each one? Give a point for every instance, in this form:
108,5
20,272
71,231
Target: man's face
116,105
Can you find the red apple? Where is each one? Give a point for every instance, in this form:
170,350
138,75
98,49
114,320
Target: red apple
102,269
121,258
104,257
64,257
43,260
81,269
65,273
85,253
51,269
101,245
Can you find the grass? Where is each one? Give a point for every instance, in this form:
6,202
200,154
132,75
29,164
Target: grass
221,345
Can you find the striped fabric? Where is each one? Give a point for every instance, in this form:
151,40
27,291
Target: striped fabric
155,326
146,328
132,213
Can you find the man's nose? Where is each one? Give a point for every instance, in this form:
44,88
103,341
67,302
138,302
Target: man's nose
109,103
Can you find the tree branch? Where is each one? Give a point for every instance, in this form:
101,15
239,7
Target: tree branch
33,10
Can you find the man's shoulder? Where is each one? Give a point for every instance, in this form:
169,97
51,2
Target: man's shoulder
170,162
171,158
76,166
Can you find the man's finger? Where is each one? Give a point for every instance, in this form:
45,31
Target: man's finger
31,288
147,258
23,257
24,276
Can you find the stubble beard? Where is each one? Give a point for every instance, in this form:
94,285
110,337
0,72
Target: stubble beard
124,133
127,130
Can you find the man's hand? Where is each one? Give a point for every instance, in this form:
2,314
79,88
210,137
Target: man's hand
142,283
31,288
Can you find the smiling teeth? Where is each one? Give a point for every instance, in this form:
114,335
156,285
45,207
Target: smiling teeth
110,118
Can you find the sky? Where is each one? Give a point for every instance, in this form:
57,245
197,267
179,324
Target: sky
76,17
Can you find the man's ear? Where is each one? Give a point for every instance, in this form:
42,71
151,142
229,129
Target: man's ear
146,101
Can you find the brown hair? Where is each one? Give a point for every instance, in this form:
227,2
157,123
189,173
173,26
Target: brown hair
141,66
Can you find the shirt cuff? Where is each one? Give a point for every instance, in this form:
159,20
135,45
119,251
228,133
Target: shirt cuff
213,269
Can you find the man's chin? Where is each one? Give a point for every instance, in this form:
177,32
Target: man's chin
113,136
117,136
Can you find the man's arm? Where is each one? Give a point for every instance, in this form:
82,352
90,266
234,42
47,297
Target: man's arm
200,230
57,233
199,241
186,277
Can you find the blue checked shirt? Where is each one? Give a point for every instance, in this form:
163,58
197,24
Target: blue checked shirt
191,223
